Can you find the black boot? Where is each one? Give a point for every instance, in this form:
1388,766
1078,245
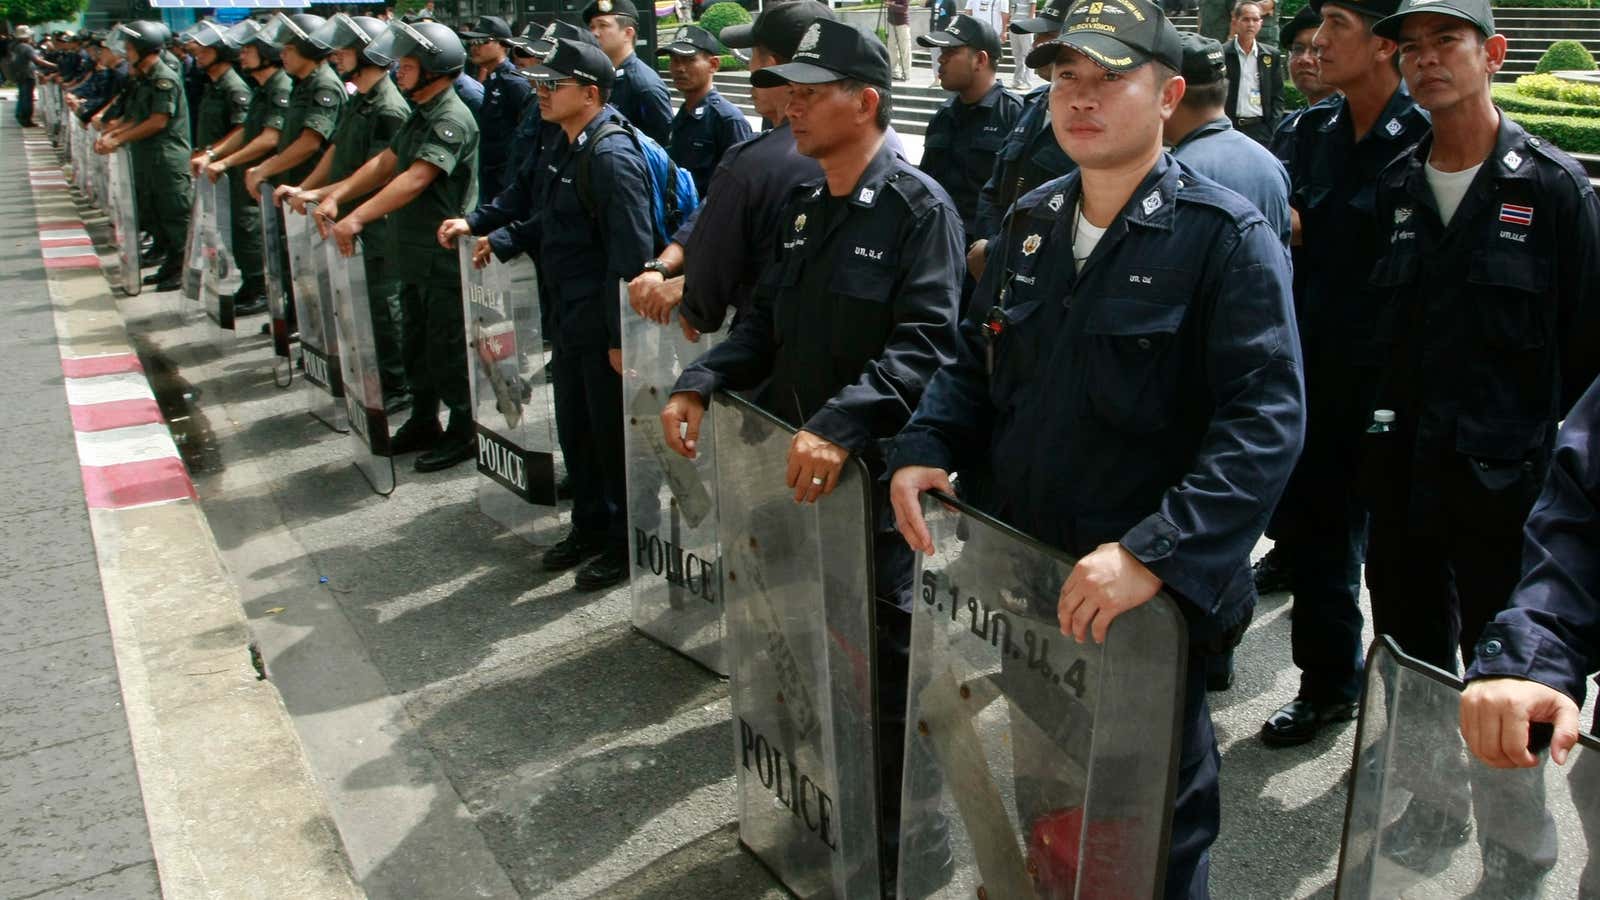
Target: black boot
609,568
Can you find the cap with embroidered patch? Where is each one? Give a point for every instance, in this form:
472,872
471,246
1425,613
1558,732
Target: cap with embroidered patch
1203,61
1475,11
491,28
829,52
539,40
779,28
1049,18
610,8
689,41
1372,9
586,63
965,31
1118,35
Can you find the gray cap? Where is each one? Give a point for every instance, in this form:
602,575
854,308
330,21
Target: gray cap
1475,11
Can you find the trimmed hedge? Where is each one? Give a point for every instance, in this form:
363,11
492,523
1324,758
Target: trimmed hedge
1563,56
718,16
1572,134
1549,87
730,63
1508,98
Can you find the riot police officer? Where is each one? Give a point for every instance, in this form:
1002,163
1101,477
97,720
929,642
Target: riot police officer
505,93
1129,387
1340,148
427,174
263,125
707,124
639,93
864,294
371,119
155,125
106,82
315,102
226,100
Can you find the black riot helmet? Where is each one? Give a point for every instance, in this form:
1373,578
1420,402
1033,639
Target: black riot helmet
297,30
144,37
207,33
347,32
248,34
437,49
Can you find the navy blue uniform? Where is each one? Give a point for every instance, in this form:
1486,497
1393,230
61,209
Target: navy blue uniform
962,144
1153,399
469,91
641,96
1490,329
525,140
582,259
505,94
1227,156
1029,157
510,218
699,136
99,90
1321,524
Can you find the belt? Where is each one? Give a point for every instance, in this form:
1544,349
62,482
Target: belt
1252,120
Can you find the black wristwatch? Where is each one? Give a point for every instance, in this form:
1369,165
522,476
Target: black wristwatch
659,267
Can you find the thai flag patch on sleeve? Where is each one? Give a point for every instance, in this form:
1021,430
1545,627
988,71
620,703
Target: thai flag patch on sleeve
1513,214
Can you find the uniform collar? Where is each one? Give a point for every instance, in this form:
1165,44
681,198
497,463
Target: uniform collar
1391,124
1215,126
988,100
1154,202
434,102
506,67
869,187
1513,151
607,114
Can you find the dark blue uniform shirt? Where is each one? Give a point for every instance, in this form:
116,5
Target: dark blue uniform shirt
525,140
505,93
1029,157
641,96
508,219
470,92
699,136
1225,155
962,144
1154,399
99,89
1551,633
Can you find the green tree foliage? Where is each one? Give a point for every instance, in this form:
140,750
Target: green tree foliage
1563,56
718,16
35,12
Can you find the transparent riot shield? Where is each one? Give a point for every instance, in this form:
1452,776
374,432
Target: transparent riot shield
221,279
363,395
313,312
194,254
675,578
513,409
798,589
100,173
124,218
272,275
1036,766
1427,820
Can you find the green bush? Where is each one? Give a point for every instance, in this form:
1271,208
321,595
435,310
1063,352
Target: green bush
718,16
1292,98
730,63
1571,133
1563,56
1550,87
1508,98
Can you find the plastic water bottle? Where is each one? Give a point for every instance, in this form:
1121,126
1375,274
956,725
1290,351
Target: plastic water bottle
1382,421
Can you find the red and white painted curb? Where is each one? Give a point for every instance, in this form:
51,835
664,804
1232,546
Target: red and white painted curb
125,451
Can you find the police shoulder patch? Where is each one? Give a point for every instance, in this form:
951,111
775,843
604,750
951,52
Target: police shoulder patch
165,84
281,99
240,97
448,131
326,97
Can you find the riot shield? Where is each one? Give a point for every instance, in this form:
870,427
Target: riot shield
1428,820
271,271
798,589
1037,766
360,375
124,218
675,580
313,312
100,175
221,279
194,254
513,409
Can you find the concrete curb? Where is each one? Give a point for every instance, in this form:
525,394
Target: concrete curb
233,808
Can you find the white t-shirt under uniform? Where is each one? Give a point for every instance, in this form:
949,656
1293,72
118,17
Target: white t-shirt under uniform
1449,188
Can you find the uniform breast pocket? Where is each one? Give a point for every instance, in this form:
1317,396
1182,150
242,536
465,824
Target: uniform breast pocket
1508,290
988,143
697,153
862,313
1391,276
1017,354
1133,363
1503,463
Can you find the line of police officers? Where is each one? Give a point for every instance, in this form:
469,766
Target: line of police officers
1109,346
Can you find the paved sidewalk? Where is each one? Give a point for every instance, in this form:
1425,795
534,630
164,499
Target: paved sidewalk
72,820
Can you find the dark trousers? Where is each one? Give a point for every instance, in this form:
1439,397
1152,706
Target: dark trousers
588,394
434,346
245,232
1325,578
1197,808
25,102
164,198
383,296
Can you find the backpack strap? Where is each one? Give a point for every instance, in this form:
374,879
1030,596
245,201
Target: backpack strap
585,188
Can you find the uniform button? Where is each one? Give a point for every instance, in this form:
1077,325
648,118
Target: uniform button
1161,546
1492,647
1483,465
1144,343
1534,141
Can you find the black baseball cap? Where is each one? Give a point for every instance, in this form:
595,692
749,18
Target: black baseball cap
1475,11
1372,9
1049,19
487,28
610,8
541,41
964,31
1306,18
1119,35
690,40
828,52
779,28
586,63
1202,60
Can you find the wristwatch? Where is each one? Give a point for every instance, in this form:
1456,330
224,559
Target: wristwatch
659,267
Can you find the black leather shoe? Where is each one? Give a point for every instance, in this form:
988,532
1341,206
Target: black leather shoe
249,301
448,451
1422,838
609,568
572,549
1271,573
1219,671
396,403
414,436
152,259
1299,720
170,283
164,274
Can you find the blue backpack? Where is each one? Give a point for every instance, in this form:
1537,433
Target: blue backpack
672,192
